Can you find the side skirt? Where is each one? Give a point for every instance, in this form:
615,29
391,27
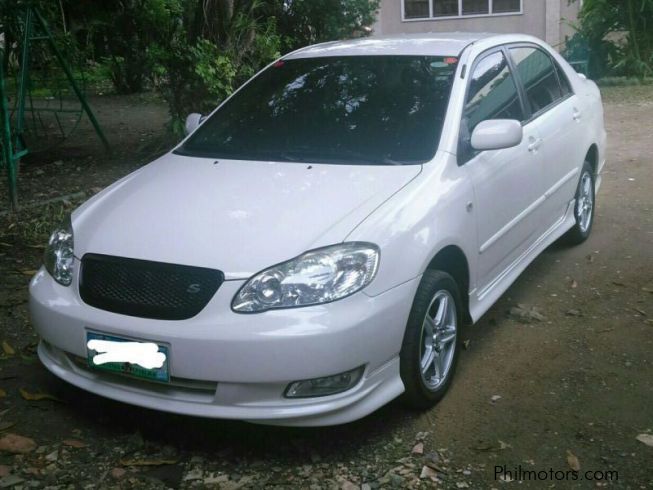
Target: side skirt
481,301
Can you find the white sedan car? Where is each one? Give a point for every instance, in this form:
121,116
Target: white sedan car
311,250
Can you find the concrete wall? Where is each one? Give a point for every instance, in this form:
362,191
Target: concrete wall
546,19
569,18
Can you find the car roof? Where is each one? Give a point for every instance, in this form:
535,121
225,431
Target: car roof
422,44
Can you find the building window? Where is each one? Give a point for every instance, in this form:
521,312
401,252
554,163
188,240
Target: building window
505,6
445,8
416,9
476,7
437,9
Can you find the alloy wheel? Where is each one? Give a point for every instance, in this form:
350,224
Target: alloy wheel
585,203
438,340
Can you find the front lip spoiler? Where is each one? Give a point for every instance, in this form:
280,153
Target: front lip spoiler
377,389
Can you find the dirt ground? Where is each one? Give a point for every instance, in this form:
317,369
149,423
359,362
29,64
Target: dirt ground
573,389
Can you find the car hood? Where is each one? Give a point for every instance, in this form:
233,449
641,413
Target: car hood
235,216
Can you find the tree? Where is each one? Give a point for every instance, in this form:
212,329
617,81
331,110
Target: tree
195,52
306,22
601,18
219,44
215,46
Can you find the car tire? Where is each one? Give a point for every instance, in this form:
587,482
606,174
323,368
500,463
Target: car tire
425,384
583,208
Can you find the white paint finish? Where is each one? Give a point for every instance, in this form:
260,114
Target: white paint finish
565,143
241,217
484,298
252,357
507,186
497,134
220,345
255,212
443,44
377,389
145,354
192,122
412,226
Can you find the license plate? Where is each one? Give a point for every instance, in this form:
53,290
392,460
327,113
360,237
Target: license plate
139,359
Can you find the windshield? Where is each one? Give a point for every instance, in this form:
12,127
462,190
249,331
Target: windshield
372,110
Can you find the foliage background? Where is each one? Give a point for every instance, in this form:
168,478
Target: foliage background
196,52
616,36
193,52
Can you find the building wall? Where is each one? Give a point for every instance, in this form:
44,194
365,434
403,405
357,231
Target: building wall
569,18
546,19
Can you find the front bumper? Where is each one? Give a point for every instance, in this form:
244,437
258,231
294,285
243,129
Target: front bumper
235,366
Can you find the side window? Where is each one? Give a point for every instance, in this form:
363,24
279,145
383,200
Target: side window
492,92
492,95
537,73
565,86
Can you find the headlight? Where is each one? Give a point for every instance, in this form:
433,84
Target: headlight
318,276
59,258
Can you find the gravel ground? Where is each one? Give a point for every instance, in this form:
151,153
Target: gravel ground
557,376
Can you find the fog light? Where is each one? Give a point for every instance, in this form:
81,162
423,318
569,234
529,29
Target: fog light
330,385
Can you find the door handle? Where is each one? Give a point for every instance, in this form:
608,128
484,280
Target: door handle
535,145
577,115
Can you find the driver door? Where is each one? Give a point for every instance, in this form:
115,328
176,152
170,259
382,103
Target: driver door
507,183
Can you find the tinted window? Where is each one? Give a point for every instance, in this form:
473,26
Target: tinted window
353,110
538,76
492,93
565,86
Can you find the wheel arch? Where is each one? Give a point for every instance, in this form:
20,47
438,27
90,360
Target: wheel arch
452,260
592,157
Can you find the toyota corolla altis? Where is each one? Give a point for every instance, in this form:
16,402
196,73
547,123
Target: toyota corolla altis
311,250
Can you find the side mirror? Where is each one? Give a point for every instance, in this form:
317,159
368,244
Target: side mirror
192,121
497,134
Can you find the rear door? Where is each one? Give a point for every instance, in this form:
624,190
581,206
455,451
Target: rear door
507,183
556,113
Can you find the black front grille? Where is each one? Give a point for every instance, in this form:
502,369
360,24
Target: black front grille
146,289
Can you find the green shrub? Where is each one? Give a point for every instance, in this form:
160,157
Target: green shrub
603,21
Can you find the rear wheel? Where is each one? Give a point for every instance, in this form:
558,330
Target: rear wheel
431,345
584,208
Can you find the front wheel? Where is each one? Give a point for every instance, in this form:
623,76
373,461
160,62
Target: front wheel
431,344
584,209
